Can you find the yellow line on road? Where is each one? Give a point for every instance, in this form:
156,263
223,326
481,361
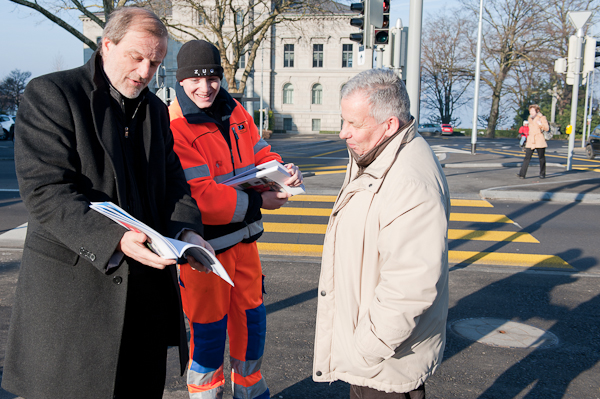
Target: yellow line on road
330,152
487,235
453,234
507,259
479,217
313,198
336,167
454,257
331,198
290,211
302,228
472,203
333,172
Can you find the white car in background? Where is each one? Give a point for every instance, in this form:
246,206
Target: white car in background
8,126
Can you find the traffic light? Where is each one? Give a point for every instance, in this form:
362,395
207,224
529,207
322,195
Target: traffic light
382,36
361,22
569,129
590,53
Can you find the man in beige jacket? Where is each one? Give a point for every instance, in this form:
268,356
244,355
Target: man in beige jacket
383,290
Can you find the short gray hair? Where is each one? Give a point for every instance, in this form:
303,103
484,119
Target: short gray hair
122,19
385,92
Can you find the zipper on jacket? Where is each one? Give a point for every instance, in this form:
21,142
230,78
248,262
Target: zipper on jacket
236,143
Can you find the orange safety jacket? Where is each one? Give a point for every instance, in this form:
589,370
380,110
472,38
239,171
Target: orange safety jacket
213,145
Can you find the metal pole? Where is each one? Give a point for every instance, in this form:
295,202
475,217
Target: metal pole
585,107
574,98
554,96
250,80
262,84
477,78
589,130
413,58
397,47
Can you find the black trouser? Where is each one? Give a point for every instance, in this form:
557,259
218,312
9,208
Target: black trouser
541,156
358,392
142,366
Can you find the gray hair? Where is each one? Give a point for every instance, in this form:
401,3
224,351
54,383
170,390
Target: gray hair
385,92
122,19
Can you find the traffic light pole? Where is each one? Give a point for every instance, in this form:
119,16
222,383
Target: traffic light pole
578,19
477,78
413,57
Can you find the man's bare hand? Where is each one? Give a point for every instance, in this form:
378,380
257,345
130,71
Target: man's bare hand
133,244
194,238
274,199
296,176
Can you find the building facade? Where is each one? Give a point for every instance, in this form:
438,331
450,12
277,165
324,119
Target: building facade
299,69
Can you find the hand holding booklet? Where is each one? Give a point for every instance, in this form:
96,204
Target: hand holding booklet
164,247
270,175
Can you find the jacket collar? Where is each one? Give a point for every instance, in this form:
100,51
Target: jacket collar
385,159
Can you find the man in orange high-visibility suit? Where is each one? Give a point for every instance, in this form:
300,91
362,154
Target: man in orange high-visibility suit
216,139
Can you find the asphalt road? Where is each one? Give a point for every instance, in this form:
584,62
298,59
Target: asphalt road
561,302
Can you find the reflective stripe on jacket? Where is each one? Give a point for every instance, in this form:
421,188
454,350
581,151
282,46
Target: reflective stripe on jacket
208,160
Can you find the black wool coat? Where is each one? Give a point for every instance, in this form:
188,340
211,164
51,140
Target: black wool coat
68,314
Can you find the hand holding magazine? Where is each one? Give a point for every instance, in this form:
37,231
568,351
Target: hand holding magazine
264,177
164,247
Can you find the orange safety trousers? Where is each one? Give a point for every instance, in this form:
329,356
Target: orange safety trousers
214,309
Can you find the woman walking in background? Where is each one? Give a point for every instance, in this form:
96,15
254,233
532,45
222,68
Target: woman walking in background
535,141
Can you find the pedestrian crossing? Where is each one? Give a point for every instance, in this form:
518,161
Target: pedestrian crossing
477,234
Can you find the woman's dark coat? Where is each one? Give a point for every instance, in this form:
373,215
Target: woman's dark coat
68,314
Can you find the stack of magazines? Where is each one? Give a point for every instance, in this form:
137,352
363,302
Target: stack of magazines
164,247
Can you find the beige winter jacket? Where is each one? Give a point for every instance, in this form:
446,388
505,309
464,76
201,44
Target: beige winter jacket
536,139
383,290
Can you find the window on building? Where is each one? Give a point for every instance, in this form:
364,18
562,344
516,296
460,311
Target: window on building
316,125
317,56
288,94
287,123
346,56
239,17
288,55
201,19
242,61
317,94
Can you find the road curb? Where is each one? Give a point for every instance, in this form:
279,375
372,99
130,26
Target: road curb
505,192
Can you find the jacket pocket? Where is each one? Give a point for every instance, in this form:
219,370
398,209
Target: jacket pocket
49,249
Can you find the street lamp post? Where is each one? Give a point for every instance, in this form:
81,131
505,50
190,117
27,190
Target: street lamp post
578,19
477,78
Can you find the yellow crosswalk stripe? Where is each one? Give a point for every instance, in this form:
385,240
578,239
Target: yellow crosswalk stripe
313,198
291,211
487,235
331,198
507,259
471,203
301,228
479,217
454,257
453,234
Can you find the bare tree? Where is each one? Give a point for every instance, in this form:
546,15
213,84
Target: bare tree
12,88
510,39
446,67
237,28
58,62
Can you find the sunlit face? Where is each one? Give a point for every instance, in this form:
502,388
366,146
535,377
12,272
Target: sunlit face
532,112
202,90
131,64
361,131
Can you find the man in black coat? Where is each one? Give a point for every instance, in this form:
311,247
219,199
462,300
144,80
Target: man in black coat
95,310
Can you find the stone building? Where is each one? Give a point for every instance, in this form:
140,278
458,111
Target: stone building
299,69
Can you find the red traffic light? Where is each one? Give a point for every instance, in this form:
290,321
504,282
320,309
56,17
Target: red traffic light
386,5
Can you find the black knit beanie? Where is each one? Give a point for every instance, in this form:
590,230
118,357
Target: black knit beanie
198,58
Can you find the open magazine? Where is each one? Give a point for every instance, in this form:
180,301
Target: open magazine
269,176
164,247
